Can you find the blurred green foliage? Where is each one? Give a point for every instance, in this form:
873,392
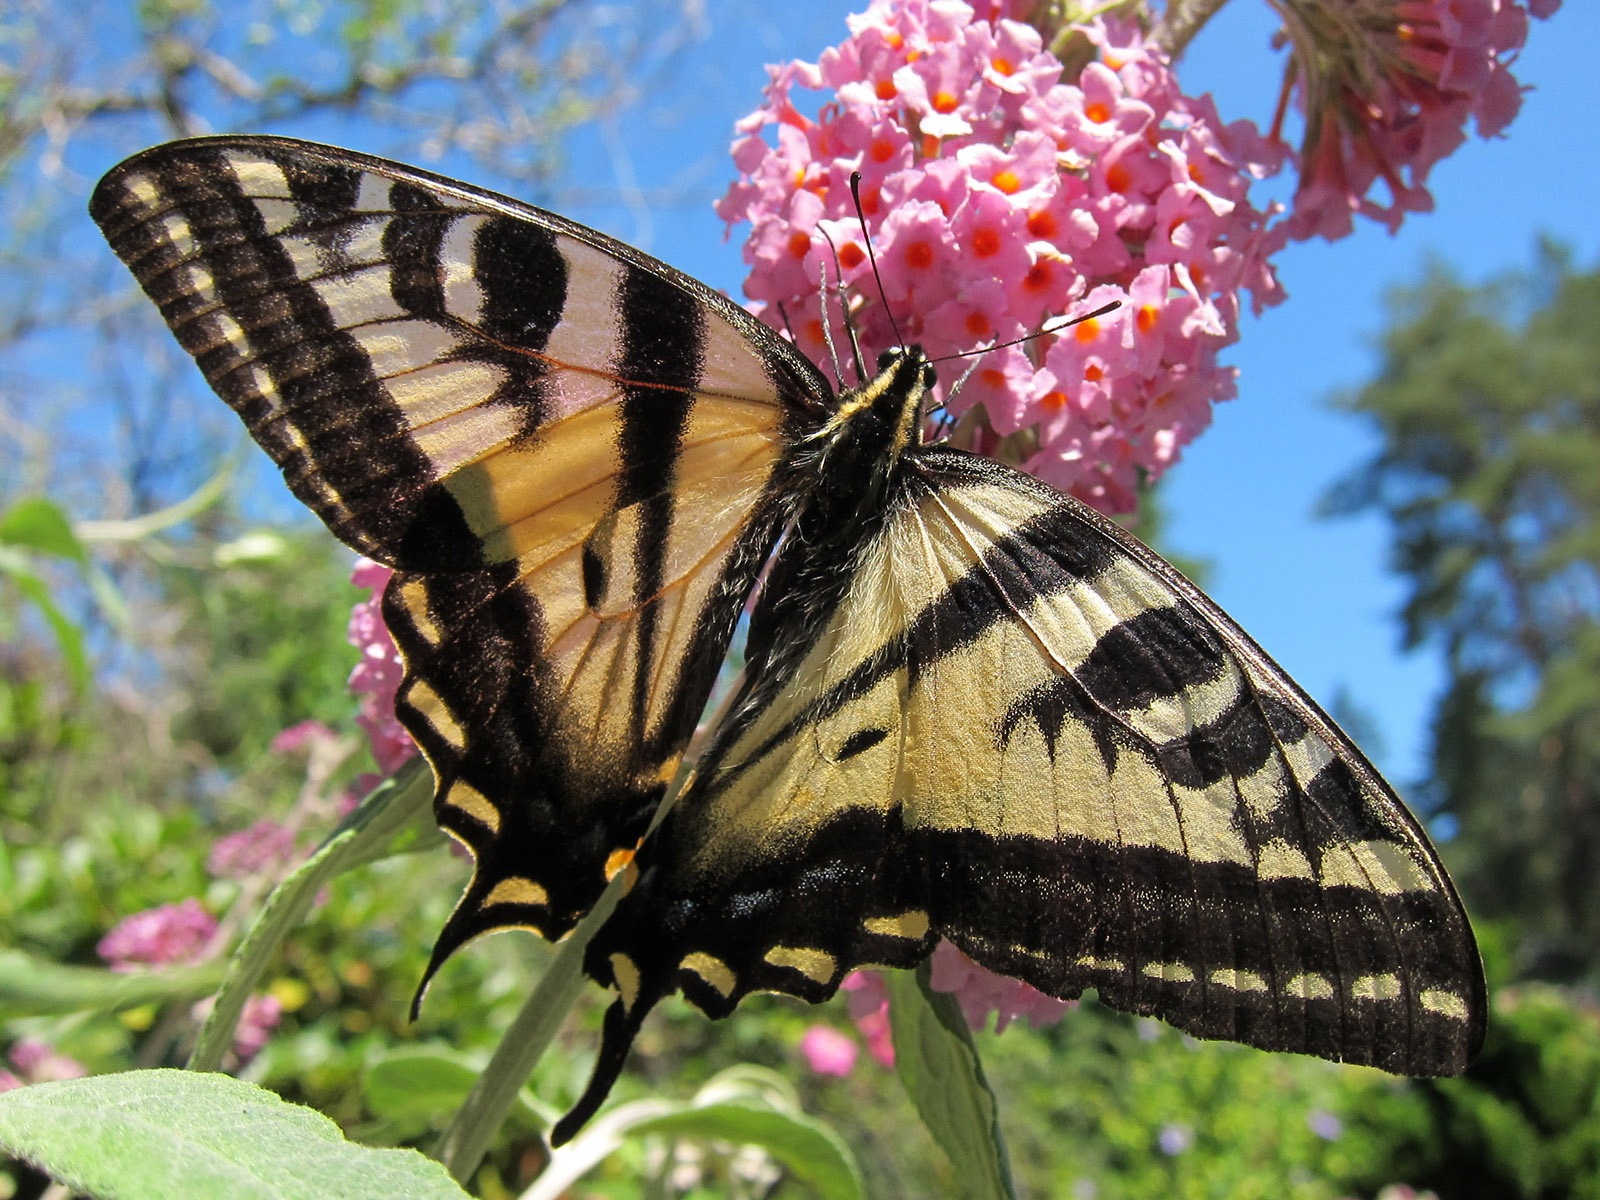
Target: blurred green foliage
1487,410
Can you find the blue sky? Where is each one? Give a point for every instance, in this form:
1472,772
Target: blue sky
1317,594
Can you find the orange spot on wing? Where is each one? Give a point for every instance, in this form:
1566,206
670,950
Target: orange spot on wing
619,860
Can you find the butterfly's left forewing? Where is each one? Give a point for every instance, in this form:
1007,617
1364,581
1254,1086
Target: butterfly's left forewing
569,452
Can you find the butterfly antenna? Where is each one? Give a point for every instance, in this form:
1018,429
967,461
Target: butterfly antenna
855,195
955,388
844,309
844,312
1037,333
977,355
787,327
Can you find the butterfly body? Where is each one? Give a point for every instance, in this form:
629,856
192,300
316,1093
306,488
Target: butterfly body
972,707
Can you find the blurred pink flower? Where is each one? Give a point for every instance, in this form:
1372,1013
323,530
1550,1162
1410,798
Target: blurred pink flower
261,1016
38,1062
829,1052
265,846
981,992
376,678
298,737
868,1002
169,933
257,1020
1001,194
1387,88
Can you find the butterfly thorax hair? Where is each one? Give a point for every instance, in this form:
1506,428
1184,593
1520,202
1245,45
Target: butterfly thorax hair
844,489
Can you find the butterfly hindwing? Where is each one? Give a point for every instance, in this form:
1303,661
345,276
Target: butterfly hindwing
1024,732
568,451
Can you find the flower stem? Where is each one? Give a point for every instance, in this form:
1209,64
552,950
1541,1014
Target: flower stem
1182,20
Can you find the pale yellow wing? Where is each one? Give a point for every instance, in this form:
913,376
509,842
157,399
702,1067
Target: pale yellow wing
1024,732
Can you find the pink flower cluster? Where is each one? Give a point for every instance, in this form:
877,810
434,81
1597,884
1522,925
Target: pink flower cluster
376,678
999,196
267,845
1387,87
166,934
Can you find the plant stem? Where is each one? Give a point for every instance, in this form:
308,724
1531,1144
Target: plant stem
1182,20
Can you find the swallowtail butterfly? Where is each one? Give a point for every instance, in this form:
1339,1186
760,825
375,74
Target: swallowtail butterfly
972,709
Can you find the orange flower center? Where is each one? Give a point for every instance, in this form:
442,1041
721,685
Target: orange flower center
1007,182
1039,277
986,243
919,255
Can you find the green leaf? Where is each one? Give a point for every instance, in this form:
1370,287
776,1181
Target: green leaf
747,1106
153,1135
34,987
411,1087
938,1064
812,1153
40,525
15,567
364,836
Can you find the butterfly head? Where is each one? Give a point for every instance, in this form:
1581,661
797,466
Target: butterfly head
909,365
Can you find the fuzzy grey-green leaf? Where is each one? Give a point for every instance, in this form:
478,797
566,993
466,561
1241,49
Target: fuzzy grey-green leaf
152,1135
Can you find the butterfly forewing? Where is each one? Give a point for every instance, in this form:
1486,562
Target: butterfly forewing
566,448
